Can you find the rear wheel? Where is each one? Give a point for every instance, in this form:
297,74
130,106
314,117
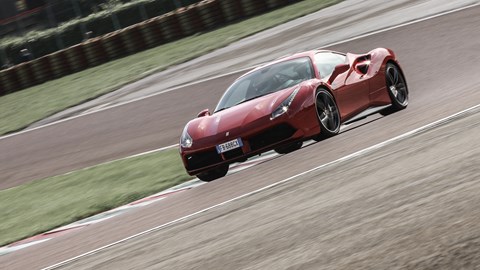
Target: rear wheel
215,173
397,89
328,115
289,148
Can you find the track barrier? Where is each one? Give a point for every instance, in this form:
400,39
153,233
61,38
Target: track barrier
198,17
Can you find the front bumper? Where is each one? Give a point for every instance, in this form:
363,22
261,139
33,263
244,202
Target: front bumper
258,137
202,160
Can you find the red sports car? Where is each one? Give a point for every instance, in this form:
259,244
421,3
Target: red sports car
279,105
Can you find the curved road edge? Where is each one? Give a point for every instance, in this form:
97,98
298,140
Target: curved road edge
460,115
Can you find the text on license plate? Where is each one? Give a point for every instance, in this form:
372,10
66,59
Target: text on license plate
224,147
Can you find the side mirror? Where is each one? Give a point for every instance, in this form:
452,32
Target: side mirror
339,69
203,113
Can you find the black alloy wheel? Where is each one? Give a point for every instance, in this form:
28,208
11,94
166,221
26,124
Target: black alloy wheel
215,173
289,148
327,114
397,89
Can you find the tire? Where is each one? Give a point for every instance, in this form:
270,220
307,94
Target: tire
397,89
328,115
214,173
289,148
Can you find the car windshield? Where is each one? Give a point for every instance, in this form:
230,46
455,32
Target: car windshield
267,80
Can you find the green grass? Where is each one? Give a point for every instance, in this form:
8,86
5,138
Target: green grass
49,203
20,109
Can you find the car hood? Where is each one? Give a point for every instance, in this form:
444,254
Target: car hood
234,119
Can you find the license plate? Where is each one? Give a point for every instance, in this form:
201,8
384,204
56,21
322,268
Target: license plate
233,144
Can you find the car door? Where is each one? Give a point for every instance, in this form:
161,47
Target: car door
350,88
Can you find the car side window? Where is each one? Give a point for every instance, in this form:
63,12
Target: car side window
327,61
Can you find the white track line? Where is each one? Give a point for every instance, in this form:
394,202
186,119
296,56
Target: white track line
124,103
159,150
459,115
244,69
402,25
124,158
422,129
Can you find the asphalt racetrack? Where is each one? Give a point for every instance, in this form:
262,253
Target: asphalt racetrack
401,207
412,204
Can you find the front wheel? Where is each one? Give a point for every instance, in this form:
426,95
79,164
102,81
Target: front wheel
328,115
289,148
215,173
397,89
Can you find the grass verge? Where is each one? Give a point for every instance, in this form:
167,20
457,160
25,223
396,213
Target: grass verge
20,109
43,205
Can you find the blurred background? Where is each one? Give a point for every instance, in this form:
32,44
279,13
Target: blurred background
54,38
23,22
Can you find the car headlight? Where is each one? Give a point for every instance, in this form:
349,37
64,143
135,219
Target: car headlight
186,140
283,107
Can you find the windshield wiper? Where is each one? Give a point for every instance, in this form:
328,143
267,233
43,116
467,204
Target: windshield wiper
243,101
221,109
252,98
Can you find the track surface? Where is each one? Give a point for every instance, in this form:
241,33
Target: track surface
352,215
440,58
156,122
